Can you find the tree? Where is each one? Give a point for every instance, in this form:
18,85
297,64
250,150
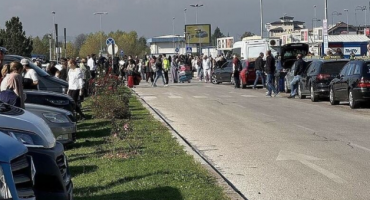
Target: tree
14,38
71,50
217,34
39,47
91,45
247,34
80,40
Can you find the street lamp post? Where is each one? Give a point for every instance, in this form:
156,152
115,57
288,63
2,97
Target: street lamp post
101,34
196,6
314,20
200,44
173,32
362,8
185,15
346,10
261,15
53,36
332,17
314,15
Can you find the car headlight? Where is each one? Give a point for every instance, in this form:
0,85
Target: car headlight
27,138
56,117
4,189
58,102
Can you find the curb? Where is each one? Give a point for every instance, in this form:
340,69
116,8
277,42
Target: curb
230,190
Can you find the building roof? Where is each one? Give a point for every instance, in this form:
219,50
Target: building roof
341,25
286,17
277,29
166,39
348,38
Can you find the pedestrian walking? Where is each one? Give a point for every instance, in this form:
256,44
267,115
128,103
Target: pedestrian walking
142,69
63,74
158,71
300,67
258,66
199,63
75,85
166,68
270,71
278,73
237,68
175,70
92,64
206,68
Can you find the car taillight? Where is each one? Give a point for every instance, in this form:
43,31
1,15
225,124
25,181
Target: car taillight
323,76
364,83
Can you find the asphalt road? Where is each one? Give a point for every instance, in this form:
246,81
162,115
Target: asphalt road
271,148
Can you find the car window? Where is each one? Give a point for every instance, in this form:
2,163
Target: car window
310,68
332,67
357,69
366,69
344,70
224,65
230,64
350,69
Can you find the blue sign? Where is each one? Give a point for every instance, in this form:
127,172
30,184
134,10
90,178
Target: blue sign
110,41
122,53
189,50
177,50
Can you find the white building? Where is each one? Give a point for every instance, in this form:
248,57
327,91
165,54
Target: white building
168,45
284,26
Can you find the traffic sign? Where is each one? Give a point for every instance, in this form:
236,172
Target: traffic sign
189,50
110,49
122,53
177,50
110,41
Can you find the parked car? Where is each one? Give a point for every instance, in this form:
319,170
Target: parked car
352,84
317,77
223,73
52,99
248,74
290,75
17,170
46,82
52,179
60,121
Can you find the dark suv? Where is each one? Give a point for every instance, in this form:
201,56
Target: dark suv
317,77
352,84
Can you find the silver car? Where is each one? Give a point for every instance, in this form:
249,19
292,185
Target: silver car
59,120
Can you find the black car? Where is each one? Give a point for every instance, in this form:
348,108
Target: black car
52,99
46,82
317,77
352,84
223,73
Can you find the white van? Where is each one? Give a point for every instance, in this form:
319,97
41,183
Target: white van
251,47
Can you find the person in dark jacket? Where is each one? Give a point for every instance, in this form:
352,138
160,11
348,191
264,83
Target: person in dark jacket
300,67
159,72
64,72
270,71
259,70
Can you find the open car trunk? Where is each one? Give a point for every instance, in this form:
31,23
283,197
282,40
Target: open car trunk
289,53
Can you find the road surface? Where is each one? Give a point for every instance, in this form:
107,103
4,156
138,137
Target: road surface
271,148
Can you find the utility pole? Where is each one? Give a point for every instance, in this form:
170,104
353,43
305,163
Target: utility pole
54,35
101,33
196,6
326,9
261,13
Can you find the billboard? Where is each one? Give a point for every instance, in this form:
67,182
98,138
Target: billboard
198,33
225,43
304,36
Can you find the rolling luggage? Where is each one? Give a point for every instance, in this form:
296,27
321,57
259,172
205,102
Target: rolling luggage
130,82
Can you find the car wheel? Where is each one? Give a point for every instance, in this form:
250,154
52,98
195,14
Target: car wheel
314,98
214,79
286,90
300,92
332,97
352,101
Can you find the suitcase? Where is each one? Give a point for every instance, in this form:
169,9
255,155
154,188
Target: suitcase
130,82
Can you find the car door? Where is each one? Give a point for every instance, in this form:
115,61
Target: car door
226,72
290,74
306,77
344,82
336,82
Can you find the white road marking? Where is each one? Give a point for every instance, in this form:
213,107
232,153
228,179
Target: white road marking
225,96
359,146
149,97
249,96
200,97
175,97
305,160
305,128
240,106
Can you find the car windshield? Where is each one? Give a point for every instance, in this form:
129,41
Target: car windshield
332,67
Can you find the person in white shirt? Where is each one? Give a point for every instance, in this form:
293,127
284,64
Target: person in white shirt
75,84
207,68
30,75
92,64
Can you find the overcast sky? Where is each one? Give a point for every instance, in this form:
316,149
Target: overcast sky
154,17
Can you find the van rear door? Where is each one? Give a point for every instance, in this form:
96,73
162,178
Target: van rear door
289,52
